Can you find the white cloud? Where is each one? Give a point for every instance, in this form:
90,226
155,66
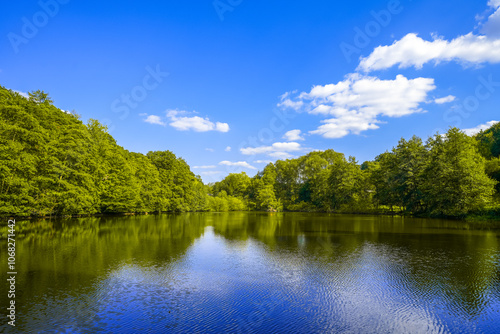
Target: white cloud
341,127
293,135
412,50
186,123
153,119
174,113
204,167
23,94
492,26
494,3
209,149
357,102
243,164
211,173
326,90
222,127
277,150
446,99
477,129
263,161
198,124
281,155
228,149
287,103
291,104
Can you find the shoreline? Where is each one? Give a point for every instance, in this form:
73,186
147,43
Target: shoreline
473,217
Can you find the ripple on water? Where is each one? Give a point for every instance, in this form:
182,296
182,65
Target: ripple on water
300,283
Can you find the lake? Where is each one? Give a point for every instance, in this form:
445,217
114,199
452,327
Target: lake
255,272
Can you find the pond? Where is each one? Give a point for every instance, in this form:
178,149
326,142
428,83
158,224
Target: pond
255,272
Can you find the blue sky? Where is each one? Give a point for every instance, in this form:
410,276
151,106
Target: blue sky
229,85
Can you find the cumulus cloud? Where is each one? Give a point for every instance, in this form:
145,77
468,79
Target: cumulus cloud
243,164
153,119
263,161
198,124
360,101
228,149
492,26
479,128
287,103
205,167
186,123
293,135
356,103
446,99
221,127
414,51
276,150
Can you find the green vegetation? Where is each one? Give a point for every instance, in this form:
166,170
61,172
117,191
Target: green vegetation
53,164
451,175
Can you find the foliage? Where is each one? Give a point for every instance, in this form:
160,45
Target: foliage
489,141
53,164
489,146
445,177
223,202
455,178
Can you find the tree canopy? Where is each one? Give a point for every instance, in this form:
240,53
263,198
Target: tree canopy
51,163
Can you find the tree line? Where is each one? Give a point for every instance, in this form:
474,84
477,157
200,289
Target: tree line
53,164
450,175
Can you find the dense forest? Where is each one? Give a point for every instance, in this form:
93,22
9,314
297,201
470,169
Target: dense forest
51,163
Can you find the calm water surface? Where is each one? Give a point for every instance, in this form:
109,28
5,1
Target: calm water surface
255,272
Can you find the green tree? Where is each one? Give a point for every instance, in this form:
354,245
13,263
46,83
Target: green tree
179,186
455,179
266,198
348,186
39,96
489,141
411,159
382,176
234,185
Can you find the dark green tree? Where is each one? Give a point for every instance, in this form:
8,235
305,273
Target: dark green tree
455,179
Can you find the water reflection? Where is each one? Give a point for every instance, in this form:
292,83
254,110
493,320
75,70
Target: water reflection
254,272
